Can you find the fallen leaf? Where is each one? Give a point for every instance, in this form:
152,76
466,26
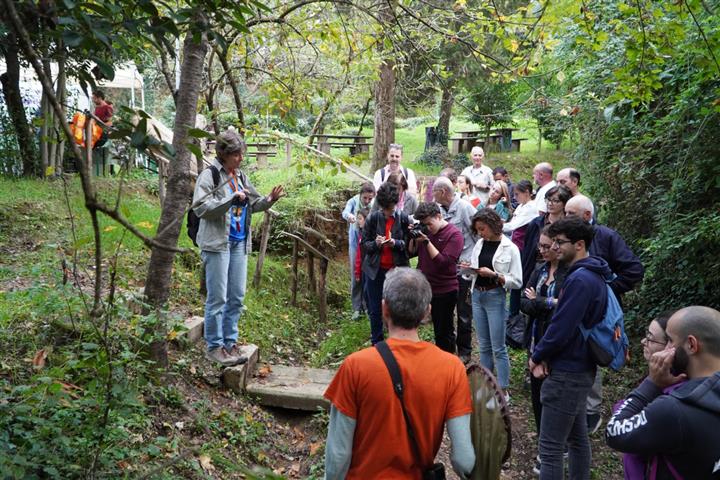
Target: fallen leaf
264,371
294,469
172,334
38,361
206,463
123,464
109,228
179,425
314,447
193,370
144,225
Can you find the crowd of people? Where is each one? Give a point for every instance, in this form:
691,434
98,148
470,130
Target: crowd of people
490,249
476,247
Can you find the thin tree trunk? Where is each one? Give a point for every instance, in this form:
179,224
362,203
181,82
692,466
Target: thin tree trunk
48,123
167,76
384,133
446,104
210,96
366,109
230,78
11,91
159,277
62,98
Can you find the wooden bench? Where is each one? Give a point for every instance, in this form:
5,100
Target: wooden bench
356,143
515,147
465,144
356,148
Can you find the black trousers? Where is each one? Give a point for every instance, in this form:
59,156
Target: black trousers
443,309
464,319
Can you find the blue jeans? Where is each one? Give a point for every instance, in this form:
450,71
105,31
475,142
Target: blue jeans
356,288
373,292
488,309
563,396
226,279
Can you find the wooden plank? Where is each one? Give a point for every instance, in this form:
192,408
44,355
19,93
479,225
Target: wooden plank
297,388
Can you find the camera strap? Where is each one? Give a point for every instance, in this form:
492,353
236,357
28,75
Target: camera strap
396,377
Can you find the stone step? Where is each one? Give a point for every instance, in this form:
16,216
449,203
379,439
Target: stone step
236,378
297,388
194,330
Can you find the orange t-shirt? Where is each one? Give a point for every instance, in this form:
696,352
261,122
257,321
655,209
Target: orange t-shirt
436,390
386,256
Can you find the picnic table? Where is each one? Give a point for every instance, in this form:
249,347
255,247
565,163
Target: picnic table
262,151
356,143
499,137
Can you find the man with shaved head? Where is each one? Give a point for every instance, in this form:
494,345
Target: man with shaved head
459,213
628,270
679,431
543,175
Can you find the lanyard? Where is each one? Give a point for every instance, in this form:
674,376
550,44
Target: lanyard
236,187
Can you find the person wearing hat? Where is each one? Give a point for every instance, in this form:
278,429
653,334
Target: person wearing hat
224,239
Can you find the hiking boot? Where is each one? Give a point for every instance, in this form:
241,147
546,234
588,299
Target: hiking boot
235,353
594,420
219,355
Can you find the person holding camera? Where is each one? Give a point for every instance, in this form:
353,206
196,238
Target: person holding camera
224,239
368,435
438,245
384,248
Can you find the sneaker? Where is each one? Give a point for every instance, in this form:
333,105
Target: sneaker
594,420
536,467
219,355
237,355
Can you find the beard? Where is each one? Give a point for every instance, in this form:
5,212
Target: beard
680,362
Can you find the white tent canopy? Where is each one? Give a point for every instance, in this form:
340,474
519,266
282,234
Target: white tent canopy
126,77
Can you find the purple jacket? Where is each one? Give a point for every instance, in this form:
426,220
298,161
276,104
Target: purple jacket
634,465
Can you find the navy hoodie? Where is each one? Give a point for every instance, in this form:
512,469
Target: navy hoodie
583,299
683,427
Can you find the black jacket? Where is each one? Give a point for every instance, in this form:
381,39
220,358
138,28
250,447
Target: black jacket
610,246
529,254
538,310
683,427
374,226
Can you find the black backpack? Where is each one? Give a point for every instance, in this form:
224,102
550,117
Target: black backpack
193,222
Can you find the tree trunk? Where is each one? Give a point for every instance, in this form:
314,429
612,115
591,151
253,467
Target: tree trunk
11,91
384,133
230,78
210,96
159,277
446,104
62,98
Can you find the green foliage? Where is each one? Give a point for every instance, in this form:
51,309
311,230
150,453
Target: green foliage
490,103
433,157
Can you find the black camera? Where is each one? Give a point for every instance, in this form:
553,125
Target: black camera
418,228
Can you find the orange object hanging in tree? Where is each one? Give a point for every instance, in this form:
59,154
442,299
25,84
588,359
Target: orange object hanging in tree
77,127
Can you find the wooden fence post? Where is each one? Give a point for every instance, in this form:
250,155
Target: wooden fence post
322,288
263,247
310,259
288,153
295,254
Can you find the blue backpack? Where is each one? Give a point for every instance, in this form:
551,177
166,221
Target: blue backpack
606,340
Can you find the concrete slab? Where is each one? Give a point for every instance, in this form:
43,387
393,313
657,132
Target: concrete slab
194,331
236,378
297,388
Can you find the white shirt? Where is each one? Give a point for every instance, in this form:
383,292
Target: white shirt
540,196
480,174
522,215
378,179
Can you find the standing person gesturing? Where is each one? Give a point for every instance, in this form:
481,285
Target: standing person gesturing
225,241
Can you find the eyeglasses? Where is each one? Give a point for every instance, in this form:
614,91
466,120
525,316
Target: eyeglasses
544,248
560,243
649,338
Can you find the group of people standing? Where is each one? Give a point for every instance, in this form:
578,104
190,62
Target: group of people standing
482,237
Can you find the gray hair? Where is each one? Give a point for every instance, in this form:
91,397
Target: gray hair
583,203
443,183
228,142
407,295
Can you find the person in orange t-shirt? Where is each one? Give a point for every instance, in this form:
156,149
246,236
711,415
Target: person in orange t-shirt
367,435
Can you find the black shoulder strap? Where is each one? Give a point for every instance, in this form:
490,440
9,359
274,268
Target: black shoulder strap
396,377
382,174
216,175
